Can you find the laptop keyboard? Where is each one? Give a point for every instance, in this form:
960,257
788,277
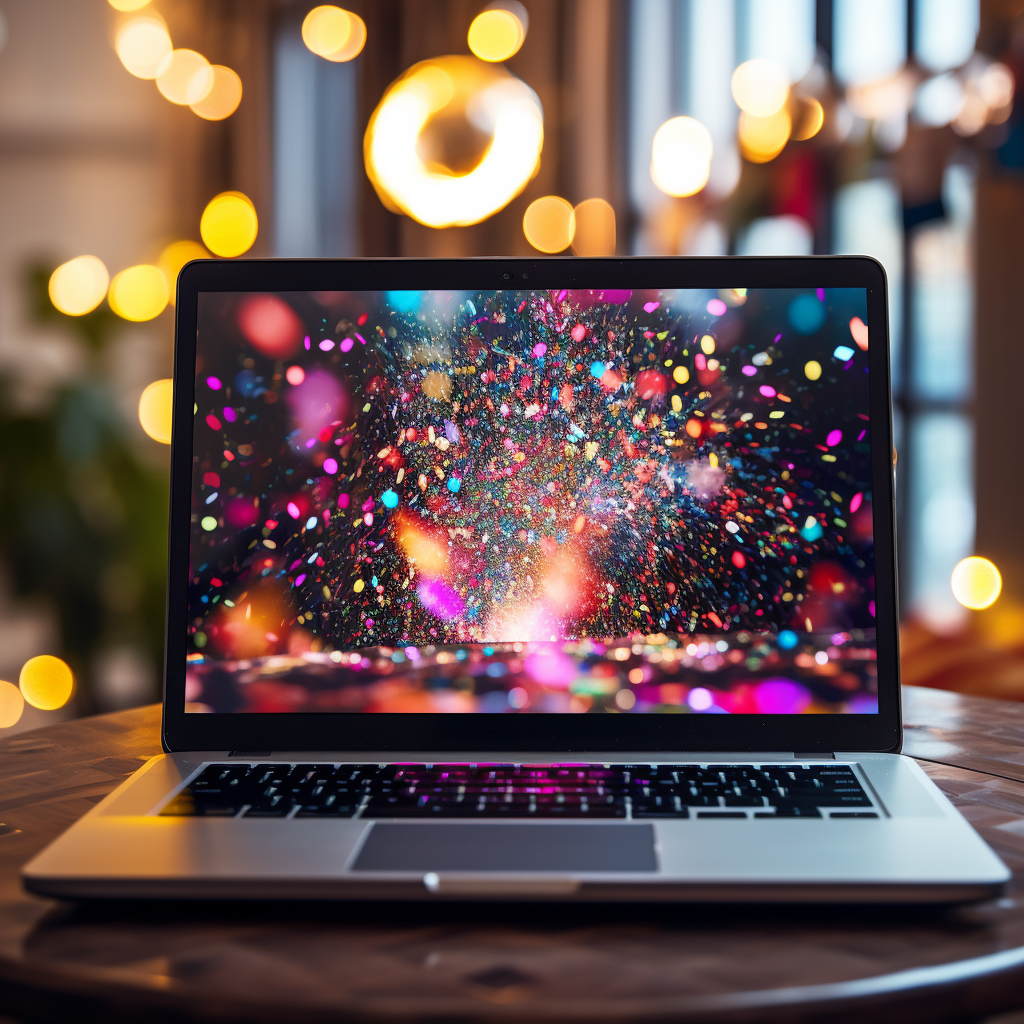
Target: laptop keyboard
523,791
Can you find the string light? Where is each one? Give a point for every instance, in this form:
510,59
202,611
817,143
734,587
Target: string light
498,32
229,224
46,682
681,156
550,224
155,408
976,582
142,45
138,293
223,98
79,286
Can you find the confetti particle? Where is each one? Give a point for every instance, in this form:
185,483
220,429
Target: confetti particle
208,523
843,353
597,369
707,344
767,390
293,510
834,437
326,345
311,522
812,369
330,466
716,307
680,374
295,375
213,383
358,586
454,484
390,499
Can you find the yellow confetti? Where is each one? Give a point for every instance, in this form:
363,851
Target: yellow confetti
680,374
358,586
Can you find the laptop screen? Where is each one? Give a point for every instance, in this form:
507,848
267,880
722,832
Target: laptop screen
521,501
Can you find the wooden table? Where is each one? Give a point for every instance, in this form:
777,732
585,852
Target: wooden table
431,962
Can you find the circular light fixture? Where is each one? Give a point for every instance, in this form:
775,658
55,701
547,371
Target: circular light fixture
229,224
79,286
155,407
453,140
681,156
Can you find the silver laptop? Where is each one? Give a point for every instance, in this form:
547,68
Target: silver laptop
547,579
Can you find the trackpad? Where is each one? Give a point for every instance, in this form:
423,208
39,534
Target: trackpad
408,846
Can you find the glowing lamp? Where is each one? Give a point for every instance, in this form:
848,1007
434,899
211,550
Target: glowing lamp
12,704
46,682
976,582
174,257
223,98
764,138
681,156
142,45
155,407
498,32
333,33
78,286
549,224
184,77
408,152
138,293
595,228
759,87
229,225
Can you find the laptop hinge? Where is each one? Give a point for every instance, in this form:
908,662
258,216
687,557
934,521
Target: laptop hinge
250,753
815,755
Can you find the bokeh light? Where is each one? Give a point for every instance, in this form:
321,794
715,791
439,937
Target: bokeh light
229,224
46,682
139,293
79,286
759,87
333,33
810,119
142,45
595,228
681,156
976,582
407,147
995,86
155,407
223,98
764,138
174,257
549,224
12,704
184,77
127,5
270,325
496,33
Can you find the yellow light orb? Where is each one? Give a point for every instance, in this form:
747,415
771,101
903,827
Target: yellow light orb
78,286
549,224
496,34
681,156
680,375
12,704
976,582
707,344
127,5
229,224
142,45
184,77
333,33
46,682
812,369
223,98
155,408
139,293
810,121
764,138
595,228
174,257
759,87
417,170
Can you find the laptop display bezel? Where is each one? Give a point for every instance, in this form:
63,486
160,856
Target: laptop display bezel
340,731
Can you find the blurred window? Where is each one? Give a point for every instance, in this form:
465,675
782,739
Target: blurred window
869,39
776,236
778,30
944,32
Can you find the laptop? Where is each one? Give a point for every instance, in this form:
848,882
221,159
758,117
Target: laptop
530,579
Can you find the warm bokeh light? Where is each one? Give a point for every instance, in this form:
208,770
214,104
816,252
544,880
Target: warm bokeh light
127,5
411,163
155,407
229,224
764,138
142,45
995,86
46,682
224,96
79,286
810,118
496,34
12,704
174,257
595,228
759,87
138,293
549,224
333,33
976,582
184,77
681,156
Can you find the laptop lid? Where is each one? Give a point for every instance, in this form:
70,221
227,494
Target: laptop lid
552,504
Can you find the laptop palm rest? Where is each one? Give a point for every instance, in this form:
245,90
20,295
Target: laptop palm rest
435,847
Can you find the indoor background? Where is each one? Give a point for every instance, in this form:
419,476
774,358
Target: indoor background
137,134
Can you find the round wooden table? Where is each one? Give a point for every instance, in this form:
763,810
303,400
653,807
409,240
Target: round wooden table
434,962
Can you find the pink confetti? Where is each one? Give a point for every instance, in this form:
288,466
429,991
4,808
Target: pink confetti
293,510
834,437
539,349
716,307
749,371
330,466
579,332
212,422
650,307
855,502
767,390
213,383
343,501
346,345
229,414
326,345
305,342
